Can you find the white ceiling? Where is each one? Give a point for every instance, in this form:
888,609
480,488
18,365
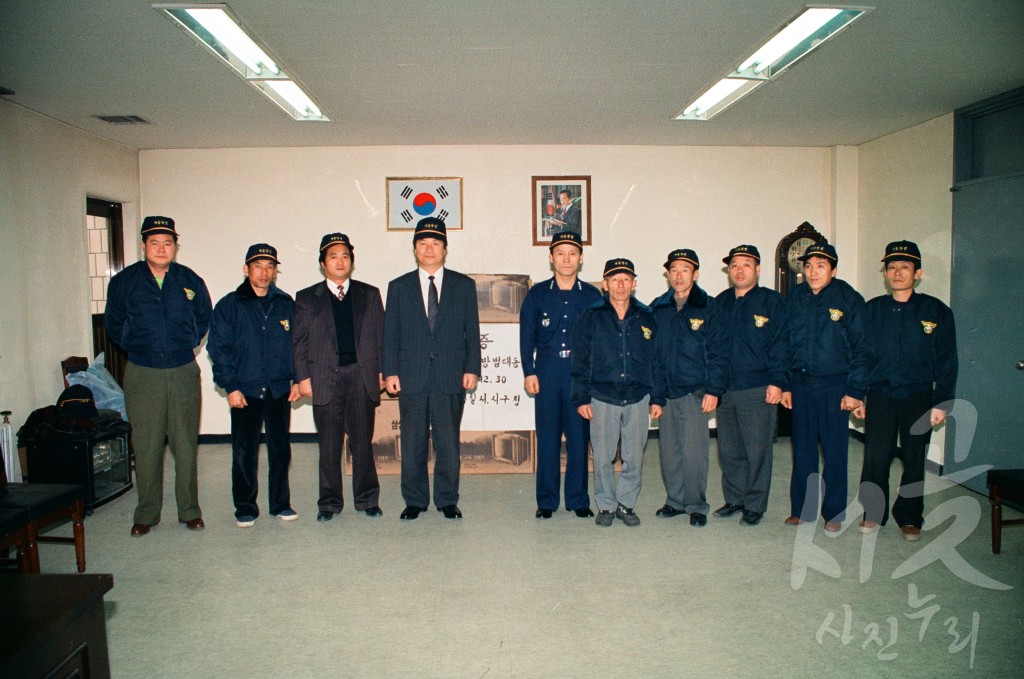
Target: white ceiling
506,71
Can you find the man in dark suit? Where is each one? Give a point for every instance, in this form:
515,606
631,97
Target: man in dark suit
431,356
339,324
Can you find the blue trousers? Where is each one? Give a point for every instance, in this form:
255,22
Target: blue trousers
273,416
817,417
555,415
887,418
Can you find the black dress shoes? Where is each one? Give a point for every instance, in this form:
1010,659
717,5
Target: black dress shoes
750,518
450,511
193,524
728,509
543,514
583,512
140,529
697,520
373,511
668,510
324,516
410,513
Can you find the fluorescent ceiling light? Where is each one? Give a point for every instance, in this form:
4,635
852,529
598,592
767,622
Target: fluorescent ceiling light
798,38
216,28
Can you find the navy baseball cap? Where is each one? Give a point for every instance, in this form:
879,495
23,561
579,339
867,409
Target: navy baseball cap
620,265
261,251
430,227
682,255
563,237
155,224
746,250
823,250
902,251
333,239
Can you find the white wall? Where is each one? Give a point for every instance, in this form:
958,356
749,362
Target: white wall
905,179
646,201
904,194
46,171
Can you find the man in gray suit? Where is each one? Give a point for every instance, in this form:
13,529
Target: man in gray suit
431,356
336,344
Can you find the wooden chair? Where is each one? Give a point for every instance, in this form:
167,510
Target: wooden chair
13,533
46,504
1004,484
73,364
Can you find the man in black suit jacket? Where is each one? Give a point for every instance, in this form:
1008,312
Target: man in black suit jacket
339,324
431,356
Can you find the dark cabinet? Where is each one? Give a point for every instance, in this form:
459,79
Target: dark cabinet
102,464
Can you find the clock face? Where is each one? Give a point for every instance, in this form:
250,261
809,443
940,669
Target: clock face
797,250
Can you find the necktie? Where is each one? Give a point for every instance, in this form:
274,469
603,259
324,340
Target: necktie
432,304
341,293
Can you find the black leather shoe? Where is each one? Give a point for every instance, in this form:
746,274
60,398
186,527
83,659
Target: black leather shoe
450,511
543,514
324,516
697,519
193,524
669,510
410,513
373,511
583,512
728,510
750,518
140,529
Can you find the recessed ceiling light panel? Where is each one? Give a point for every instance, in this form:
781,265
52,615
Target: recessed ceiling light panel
215,27
794,41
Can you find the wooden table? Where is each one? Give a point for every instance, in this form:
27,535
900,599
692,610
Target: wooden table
53,626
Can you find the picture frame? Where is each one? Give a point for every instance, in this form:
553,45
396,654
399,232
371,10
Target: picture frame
410,199
552,213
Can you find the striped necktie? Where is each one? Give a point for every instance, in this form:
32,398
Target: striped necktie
432,304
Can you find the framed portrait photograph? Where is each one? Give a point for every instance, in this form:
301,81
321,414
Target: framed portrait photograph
561,204
410,199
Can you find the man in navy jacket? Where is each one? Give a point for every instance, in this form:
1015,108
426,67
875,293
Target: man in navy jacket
158,311
250,347
690,372
612,381
913,376
755,321
829,353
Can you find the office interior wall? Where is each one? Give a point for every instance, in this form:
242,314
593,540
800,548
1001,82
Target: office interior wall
645,201
46,171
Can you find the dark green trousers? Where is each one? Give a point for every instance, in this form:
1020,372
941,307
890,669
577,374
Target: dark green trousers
164,403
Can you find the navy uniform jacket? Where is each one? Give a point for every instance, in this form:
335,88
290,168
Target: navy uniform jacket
431,361
690,344
159,327
613,361
758,347
828,341
914,347
547,318
251,350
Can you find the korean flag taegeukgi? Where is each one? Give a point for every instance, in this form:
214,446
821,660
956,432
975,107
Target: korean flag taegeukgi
410,200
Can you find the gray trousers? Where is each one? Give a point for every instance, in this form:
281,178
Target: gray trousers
685,445
611,424
164,402
746,427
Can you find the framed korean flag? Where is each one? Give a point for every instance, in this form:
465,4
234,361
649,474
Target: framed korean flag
410,199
